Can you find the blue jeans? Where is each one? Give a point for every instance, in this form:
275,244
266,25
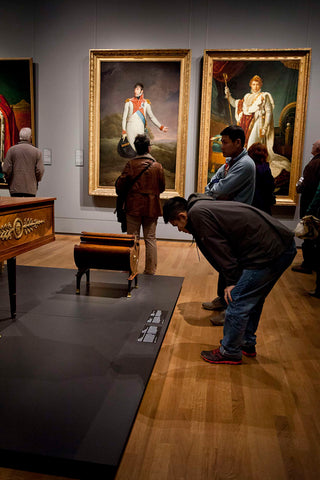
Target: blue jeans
248,296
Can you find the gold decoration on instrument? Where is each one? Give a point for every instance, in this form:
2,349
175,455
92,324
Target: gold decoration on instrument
18,228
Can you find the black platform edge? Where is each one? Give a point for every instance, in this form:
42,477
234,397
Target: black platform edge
147,383
56,466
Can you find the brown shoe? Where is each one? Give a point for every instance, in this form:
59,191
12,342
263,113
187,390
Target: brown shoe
218,320
301,269
217,303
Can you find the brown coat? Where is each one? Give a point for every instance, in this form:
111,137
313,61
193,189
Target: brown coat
23,168
143,198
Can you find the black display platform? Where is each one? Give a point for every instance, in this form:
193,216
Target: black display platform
73,368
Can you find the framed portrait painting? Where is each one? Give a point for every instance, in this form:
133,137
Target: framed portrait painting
265,92
16,102
134,92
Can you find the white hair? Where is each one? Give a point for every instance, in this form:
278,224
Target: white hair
25,133
317,144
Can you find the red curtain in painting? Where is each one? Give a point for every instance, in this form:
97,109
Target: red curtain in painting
11,130
229,67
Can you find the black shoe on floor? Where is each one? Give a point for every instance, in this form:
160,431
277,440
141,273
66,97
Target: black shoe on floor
315,293
301,269
249,350
215,356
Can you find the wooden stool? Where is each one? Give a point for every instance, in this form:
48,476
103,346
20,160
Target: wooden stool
107,251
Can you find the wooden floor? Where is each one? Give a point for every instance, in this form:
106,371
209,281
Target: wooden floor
255,421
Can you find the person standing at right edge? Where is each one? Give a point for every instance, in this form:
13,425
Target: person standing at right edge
314,209
307,186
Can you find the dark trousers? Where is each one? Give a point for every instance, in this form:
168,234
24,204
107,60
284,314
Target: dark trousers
221,286
309,252
317,264
311,258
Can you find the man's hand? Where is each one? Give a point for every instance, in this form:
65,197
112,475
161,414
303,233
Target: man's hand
227,294
299,185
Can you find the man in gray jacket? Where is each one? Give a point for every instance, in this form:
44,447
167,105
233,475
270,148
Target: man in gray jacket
235,180
23,166
249,248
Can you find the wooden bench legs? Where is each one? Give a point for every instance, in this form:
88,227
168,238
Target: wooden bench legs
81,271
79,274
135,277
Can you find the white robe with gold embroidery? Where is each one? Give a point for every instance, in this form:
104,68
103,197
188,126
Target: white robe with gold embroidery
261,130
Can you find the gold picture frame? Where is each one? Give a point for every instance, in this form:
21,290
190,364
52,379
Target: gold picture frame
165,76
285,75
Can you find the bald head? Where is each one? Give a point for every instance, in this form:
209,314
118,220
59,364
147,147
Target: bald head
316,148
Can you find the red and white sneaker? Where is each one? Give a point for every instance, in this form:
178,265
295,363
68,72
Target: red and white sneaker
215,356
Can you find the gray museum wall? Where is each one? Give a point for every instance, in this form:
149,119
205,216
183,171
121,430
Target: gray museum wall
58,36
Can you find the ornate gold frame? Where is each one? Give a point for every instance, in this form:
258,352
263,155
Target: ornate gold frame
97,57
302,59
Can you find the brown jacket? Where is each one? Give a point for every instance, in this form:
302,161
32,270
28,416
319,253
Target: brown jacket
23,168
144,196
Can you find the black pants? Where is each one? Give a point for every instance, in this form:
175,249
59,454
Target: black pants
309,252
311,258
317,264
221,286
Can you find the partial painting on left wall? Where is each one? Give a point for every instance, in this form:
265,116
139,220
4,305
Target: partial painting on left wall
16,102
